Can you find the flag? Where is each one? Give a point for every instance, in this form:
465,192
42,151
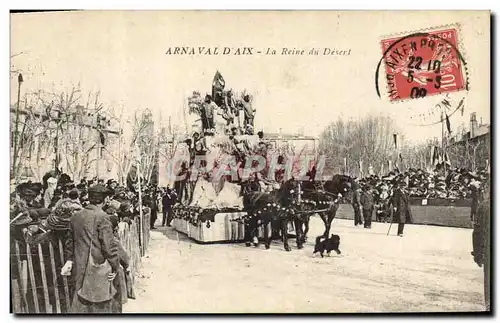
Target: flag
390,166
218,83
345,165
446,159
436,156
461,106
381,170
360,168
432,155
395,141
440,157
448,125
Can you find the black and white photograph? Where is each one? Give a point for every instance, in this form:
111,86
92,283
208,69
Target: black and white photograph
250,162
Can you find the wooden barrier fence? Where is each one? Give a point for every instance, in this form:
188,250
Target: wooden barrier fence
145,234
36,283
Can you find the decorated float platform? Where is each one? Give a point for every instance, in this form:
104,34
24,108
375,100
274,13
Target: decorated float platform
206,225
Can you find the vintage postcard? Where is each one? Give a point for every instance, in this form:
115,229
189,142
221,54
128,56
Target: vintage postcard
250,162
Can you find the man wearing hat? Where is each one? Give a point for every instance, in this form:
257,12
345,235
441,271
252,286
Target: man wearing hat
367,203
37,188
168,201
25,192
401,204
150,201
475,196
91,232
125,211
356,202
112,184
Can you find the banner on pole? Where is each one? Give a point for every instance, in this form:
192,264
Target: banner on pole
446,159
448,125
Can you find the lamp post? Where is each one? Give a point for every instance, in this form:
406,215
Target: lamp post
20,81
98,158
139,179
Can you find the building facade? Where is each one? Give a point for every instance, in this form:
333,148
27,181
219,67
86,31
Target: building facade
472,148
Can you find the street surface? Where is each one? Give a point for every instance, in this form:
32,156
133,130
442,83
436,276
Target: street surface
429,269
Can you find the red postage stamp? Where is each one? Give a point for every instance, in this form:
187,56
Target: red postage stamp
423,64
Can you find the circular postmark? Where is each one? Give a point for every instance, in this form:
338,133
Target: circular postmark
422,64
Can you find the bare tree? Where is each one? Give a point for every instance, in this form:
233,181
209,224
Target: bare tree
368,140
418,155
35,142
78,130
120,148
60,128
138,134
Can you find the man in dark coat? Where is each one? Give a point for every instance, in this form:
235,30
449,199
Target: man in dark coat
90,231
168,201
367,202
474,188
151,203
481,240
356,203
401,205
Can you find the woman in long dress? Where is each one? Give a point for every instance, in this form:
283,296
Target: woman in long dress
229,196
220,121
204,193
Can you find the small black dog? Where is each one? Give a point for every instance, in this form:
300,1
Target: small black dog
327,244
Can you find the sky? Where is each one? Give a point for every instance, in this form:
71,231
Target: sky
123,55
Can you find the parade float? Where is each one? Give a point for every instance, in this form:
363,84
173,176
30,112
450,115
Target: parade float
210,205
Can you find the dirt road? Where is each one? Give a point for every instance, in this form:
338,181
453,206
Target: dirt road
429,269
